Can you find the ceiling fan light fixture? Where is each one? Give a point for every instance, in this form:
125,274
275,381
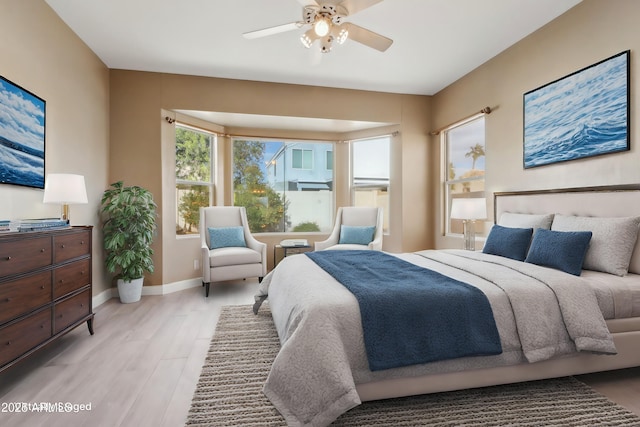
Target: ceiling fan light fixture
308,38
340,34
322,27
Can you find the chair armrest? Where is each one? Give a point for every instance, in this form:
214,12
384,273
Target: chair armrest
376,244
206,269
258,246
320,246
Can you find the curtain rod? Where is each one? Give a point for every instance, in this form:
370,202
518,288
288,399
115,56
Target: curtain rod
230,135
485,110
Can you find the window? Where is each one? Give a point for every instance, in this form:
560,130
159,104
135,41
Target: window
370,168
281,187
329,160
464,156
302,158
194,176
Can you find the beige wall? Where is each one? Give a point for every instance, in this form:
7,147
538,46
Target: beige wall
141,147
40,53
108,125
592,31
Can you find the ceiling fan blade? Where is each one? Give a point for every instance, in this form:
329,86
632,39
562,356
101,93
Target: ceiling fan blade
304,3
273,30
368,37
355,6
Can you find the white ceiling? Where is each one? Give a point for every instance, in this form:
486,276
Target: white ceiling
435,41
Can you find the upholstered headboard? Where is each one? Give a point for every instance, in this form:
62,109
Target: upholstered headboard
604,201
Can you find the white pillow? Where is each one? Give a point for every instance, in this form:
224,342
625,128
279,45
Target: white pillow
518,220
612,242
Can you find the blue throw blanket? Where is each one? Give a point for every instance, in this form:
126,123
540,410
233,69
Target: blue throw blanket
412,315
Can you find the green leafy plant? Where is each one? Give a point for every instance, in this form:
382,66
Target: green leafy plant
128,225
307,226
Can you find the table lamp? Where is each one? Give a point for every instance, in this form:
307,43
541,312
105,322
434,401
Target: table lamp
65,189
468,210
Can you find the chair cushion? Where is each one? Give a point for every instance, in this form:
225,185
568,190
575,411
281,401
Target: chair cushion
233,256
356,235
226,237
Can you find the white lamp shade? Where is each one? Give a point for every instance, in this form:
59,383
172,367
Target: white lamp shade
65,188
466,208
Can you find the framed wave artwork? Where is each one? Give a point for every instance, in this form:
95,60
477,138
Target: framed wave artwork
581,115
22,132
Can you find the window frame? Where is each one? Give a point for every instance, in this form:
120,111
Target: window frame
303,151
353,188
211,184
447,183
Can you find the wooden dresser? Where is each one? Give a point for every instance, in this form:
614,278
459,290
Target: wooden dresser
45,289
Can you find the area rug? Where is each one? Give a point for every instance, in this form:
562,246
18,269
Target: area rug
229,391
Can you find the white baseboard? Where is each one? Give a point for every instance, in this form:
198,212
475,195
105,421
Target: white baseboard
169,288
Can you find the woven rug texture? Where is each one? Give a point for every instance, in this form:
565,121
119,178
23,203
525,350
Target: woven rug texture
229,391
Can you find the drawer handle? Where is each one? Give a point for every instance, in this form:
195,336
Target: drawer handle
62,246
61,281
82,242
42,287
7,300
8,342
42,250
8,258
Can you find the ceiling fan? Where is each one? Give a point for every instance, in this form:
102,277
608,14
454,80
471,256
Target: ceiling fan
326,21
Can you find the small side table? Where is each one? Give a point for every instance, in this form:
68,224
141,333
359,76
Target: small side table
289,250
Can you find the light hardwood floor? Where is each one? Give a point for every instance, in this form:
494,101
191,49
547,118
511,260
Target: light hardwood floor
141,366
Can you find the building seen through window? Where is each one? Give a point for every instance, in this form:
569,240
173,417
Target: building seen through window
285,186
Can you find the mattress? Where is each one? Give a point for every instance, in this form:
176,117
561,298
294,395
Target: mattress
618,296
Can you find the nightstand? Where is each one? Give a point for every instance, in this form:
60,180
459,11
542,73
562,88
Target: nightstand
289,250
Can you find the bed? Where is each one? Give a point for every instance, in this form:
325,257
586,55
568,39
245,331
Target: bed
550,323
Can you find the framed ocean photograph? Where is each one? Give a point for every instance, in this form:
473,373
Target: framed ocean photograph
22,134
581,115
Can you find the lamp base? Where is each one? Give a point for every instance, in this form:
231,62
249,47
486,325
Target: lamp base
65,212
469,230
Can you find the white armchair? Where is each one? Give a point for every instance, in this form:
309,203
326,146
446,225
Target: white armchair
354,217
225,258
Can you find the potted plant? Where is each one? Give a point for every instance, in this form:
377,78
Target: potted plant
128,225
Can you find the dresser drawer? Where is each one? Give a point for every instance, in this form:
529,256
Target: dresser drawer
71,277
69,246
24,295
22,336
70,310
24,255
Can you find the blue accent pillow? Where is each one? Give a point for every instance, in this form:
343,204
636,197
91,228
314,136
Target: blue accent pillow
226,237
562,250
508,242
356,235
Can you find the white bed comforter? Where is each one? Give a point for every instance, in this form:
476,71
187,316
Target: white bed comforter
540,314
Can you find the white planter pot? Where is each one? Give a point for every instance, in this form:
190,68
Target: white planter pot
130,291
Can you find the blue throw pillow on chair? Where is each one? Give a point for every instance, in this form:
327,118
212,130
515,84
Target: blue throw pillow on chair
356,235
226,237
